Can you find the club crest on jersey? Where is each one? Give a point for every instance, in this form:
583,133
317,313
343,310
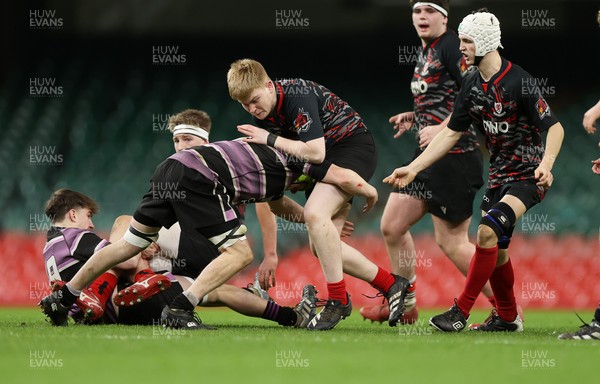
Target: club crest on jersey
543,109
497,108
303,121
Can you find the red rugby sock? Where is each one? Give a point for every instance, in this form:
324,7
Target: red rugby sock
481,268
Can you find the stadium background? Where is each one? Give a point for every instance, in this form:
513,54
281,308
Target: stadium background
84,100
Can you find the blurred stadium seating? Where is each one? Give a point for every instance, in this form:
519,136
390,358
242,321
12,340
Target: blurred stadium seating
104,127
550,272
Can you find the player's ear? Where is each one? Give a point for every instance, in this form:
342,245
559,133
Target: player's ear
72,214
270,85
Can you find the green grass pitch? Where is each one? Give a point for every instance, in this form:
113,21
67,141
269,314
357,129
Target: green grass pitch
246,350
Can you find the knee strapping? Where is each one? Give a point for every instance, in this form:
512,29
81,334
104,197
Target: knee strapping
229,238
139,239
501,219
504,240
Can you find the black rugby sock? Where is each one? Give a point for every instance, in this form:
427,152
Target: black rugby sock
182,302
66,297
282,315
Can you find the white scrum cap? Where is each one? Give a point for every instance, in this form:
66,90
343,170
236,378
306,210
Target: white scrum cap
484,29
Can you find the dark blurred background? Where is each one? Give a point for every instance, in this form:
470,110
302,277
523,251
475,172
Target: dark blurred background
100,96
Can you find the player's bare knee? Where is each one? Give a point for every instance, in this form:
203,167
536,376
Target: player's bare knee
121,222
248,256
313,216
392,230
119,227
312,219
242,251
123,219
486,237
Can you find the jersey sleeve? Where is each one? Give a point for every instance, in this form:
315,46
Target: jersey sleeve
303,111
88,244
460,120
317,171
536,108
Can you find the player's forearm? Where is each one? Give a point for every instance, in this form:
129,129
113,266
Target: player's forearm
312,151
439,146
287,209
268,229
554,141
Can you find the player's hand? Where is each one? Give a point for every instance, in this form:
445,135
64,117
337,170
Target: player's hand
596,166
427,134
301,184
590,117
148,253
372,197
347,229
402,122
253,134
295,187
543,175
401,177
266,272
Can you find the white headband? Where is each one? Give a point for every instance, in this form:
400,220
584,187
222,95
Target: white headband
432,5
191,130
